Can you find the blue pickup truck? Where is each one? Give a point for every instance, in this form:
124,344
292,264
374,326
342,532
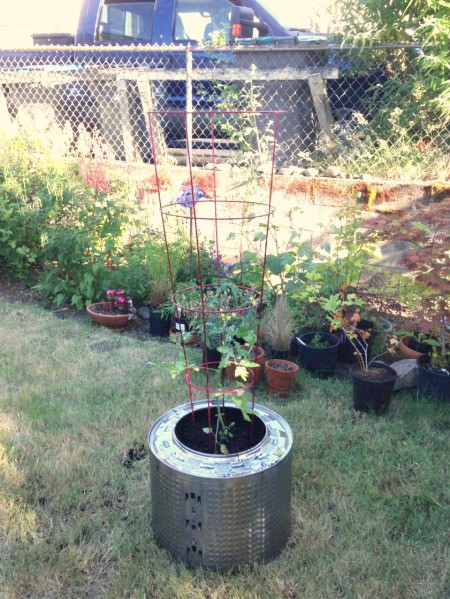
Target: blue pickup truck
159,22
137,23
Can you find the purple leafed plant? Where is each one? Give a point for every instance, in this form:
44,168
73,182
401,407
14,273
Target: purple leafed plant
427,231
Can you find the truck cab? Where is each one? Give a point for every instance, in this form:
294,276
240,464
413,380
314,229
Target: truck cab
164,22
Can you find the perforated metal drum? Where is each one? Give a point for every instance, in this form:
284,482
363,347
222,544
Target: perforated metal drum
221,511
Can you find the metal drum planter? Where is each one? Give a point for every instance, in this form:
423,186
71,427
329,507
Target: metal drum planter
221,511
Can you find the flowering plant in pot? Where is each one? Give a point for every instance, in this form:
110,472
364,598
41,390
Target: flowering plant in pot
118,301
114,312
427,261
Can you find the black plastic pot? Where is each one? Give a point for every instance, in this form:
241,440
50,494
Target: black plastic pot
212,356
386,328
181,324
321,361
373,394
159,325
346,349
431,382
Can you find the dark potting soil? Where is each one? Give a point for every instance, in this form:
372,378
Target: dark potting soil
243,435
436,369
373,374
320,344
101,310
283,367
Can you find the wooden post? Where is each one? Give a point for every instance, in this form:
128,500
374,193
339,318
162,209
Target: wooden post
125,120
321,104
5,119
145,88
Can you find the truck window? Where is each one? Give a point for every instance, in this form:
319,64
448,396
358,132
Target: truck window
202,21
123,22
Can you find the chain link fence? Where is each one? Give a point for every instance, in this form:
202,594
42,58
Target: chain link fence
361,111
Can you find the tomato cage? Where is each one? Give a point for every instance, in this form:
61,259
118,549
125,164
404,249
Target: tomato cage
214,204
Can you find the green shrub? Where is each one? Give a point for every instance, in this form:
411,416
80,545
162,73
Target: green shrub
32,187
407,131
83,247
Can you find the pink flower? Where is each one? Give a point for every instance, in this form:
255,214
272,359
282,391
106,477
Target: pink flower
119,301
93,156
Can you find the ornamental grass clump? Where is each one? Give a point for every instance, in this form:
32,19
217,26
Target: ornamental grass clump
280,325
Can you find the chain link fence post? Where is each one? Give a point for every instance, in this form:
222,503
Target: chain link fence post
189,102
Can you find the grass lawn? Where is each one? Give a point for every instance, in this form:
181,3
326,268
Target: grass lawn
370,515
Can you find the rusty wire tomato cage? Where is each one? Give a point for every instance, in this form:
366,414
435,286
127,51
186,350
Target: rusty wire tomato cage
198,209
211,507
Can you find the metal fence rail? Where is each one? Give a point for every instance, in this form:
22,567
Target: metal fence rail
359,111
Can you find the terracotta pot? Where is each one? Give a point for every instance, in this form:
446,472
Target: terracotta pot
260,359
412,354
112,321
280,376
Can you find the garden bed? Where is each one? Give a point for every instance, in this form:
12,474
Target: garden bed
139,328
